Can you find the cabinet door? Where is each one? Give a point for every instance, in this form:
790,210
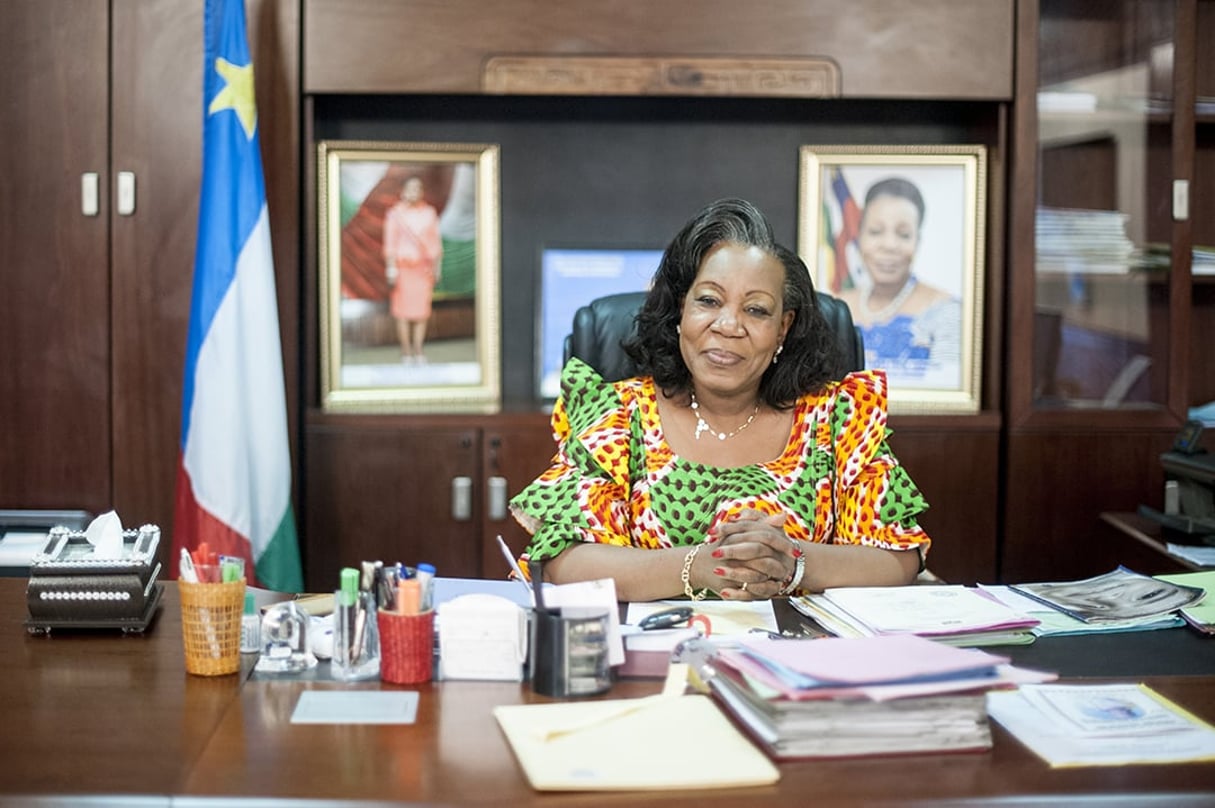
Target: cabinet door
383,492
515,454
1100,310
54,279
157,138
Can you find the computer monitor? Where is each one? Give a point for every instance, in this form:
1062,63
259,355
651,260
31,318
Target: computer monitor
571,277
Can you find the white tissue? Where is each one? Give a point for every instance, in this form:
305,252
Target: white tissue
105,534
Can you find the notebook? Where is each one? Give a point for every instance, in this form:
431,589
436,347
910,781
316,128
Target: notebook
597,745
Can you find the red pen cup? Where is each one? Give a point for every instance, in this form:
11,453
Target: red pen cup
407,643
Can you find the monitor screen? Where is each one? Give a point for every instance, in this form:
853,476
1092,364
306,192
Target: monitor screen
571,278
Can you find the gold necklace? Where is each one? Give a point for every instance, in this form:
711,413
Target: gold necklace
703,426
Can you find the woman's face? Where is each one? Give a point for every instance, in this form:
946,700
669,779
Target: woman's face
890,233
412,192
733,318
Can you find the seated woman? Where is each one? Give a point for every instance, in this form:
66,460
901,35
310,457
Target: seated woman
735,440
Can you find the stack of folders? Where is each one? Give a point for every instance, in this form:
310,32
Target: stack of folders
956,615
1199,616
840,697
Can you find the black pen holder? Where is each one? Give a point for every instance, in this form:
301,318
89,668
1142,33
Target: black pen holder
569,652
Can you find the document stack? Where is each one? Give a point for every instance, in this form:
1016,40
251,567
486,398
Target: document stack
1083,241
956,615
841,697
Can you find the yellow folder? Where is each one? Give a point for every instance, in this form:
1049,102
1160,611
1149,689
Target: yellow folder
594,745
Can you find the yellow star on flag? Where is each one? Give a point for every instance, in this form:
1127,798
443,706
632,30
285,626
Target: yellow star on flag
237,94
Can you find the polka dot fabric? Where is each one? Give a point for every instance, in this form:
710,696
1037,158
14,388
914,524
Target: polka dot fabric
614,480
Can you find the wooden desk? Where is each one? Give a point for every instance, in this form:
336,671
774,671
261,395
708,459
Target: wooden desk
117,716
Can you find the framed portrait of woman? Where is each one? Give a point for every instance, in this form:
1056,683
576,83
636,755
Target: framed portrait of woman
897,232
408,246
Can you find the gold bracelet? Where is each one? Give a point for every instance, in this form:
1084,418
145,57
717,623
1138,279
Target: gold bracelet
686,575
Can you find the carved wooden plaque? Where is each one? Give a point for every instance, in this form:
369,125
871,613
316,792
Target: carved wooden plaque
661,75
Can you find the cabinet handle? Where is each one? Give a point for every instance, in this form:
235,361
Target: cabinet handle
495,498
89,204
1181,200
126,193
461,498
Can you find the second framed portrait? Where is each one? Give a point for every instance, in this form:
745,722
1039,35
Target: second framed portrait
409,272
897,232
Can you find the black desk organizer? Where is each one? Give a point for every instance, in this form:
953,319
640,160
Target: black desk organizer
71,588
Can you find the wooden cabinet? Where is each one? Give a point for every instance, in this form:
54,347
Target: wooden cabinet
627,169
1108,326
418,488
92,343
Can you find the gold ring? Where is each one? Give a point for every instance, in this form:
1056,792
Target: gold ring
744,586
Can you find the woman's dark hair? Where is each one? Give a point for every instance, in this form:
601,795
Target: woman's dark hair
900,189
811,356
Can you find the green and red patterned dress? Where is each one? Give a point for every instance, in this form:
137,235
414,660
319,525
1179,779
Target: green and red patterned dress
615,480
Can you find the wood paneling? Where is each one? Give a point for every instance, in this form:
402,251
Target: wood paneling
1057,486
942,49
955,462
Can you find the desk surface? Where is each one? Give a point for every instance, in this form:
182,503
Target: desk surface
108,714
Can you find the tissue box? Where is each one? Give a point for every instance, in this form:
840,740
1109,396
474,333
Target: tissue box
70,587
482,637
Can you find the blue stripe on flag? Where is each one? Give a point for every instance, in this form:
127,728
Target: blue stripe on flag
233,190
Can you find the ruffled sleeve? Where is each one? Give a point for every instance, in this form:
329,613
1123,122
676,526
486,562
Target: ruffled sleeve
584,494
875,501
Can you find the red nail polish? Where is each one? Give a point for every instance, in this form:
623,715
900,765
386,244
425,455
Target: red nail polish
718,553
797,553
719,571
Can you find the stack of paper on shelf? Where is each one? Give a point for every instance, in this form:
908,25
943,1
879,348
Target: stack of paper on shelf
1076,240
842,697
1121,596
1102,725
956,615
1201,615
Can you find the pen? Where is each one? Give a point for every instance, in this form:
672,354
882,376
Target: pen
426,580
348,598
409,596
187,572
514,565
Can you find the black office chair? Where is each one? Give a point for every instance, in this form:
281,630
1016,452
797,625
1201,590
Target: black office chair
602,325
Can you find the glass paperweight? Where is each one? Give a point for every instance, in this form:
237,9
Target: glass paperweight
285,640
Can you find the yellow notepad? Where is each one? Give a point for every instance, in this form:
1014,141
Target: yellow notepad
593,745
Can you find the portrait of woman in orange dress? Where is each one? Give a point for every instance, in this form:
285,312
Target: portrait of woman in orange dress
413,251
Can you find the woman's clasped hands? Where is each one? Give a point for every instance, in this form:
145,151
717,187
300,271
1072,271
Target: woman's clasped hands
752,557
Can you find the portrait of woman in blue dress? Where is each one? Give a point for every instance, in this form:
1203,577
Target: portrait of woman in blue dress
912,329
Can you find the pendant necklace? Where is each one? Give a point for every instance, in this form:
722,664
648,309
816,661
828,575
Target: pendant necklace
703,426
890,308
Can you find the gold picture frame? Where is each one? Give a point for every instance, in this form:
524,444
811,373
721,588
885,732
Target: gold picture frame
910,268
409,252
